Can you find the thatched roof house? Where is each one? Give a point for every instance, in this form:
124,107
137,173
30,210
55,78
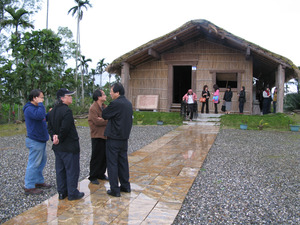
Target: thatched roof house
196,54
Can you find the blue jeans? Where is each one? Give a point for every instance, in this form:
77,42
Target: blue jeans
36,162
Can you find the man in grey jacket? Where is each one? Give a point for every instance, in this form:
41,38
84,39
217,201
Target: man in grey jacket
119,115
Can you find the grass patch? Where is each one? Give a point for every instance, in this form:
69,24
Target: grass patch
11,129
81,122
148,118
151,118
278,121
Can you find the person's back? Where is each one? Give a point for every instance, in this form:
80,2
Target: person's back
66,148
62,123
119,114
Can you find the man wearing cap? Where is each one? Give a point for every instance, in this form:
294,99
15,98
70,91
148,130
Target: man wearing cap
37,136
66,148
119,115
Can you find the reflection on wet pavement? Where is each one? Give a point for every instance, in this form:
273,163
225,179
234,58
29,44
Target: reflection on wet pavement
161,174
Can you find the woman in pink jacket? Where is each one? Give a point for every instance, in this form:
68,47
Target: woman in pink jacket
190,98
216,97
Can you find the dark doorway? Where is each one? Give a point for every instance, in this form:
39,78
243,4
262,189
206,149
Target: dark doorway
182,81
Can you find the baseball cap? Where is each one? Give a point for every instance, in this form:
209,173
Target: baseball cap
64,91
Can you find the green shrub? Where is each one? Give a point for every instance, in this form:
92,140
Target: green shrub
291,102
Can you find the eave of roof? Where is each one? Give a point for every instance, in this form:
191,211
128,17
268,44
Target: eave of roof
190,30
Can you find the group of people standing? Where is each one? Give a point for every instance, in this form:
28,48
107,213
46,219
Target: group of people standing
110,127
190,99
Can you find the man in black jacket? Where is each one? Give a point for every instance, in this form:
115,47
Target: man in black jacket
119,115
62,130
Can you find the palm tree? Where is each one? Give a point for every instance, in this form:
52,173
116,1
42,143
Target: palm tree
78,9
84,70
47,14
17,19
101,68
93,73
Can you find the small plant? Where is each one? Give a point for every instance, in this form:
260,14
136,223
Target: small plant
139,116
292,120
261,125
159,118
245,120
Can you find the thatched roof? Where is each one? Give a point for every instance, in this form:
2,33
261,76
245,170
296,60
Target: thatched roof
205,29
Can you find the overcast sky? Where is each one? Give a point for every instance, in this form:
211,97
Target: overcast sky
112,28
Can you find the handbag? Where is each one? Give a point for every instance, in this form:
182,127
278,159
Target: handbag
202,99
223,109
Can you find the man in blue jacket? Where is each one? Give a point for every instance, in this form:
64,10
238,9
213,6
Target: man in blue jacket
119,115
37,136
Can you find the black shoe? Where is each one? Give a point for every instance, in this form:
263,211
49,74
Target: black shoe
33,191
43,186
113,193
95,181
79,196
62,196
127,190
104,178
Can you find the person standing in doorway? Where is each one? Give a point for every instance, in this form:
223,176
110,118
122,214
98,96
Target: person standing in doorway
216,97
242,99
119,115
36,139
274,100
62,130
191,100
227,98
97,126
206,95
267,101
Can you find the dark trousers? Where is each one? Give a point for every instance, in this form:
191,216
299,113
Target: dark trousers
117,164
98,159
274,107
241,107
190,109
67,172
205,104
216,108
266,106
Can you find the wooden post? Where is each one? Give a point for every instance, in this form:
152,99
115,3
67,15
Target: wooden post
125,77
280,89
170,86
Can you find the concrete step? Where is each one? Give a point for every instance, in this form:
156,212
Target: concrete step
209,115
203,123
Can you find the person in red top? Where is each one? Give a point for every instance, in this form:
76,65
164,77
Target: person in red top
190,98
267,101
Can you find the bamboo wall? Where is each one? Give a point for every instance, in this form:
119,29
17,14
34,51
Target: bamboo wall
152,77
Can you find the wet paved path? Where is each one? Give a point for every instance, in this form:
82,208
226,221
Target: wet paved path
161,175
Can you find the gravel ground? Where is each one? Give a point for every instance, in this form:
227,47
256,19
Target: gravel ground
249,177
13,161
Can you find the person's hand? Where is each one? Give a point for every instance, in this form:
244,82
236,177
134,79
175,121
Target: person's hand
38,99
55,139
